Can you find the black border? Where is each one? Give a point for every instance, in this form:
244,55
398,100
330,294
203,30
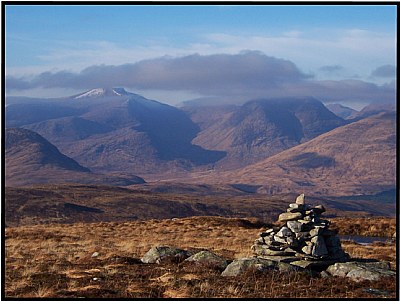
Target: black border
116,3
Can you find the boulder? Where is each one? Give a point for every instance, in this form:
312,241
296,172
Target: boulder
359,271
239,266
158,254
208,257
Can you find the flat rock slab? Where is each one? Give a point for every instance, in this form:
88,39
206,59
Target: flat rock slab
359,271
317,265
289,216
264,250
286,259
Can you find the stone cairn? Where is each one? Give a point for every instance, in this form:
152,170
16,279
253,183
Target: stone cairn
303,235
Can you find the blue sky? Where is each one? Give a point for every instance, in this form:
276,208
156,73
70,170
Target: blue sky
326,46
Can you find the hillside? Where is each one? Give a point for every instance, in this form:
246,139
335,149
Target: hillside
32,159
341,111
356,159
260,128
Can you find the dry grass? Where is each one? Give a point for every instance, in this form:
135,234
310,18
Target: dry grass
377,250
369,226
56,261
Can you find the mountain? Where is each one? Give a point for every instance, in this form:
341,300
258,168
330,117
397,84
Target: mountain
373,109
260,128
355,159
341,111
32,159
112,130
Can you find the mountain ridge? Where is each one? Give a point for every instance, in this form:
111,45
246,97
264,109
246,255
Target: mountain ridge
120,134
31,159
358,158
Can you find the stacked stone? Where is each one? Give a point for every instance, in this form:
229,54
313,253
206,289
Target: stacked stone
303,234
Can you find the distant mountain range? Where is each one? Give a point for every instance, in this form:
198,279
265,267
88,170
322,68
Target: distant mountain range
355,159
111,130
260,128
111,136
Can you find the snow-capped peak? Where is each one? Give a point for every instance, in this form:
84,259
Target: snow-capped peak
99,92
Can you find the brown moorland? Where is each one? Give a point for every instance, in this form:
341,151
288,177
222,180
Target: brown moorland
57,260
71,203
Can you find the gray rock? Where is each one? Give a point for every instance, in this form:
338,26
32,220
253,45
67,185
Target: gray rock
307,249
317,265
300,199
286,267
359,271
302,235
159,253
315,232
259,241
281,240
319,209
283,258
333,242
264,250
291,242
208,257
284,232
296,206
289,216
294,226
319,248
241,265
269,231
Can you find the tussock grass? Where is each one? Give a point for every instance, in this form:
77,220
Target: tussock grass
368,226
56,261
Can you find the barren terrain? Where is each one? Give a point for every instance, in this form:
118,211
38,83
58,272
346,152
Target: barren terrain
60,261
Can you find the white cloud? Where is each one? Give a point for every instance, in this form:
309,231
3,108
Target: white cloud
246,75
359,51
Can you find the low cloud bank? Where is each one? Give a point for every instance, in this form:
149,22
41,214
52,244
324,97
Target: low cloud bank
247,74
